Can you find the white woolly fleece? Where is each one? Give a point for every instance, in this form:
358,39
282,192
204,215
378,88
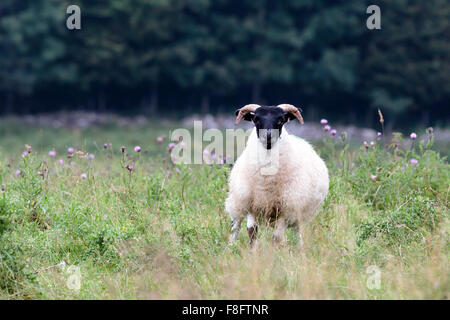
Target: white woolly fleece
289,181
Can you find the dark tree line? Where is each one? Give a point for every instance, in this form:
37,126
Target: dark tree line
177,56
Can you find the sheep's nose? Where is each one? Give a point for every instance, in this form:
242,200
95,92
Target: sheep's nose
269,135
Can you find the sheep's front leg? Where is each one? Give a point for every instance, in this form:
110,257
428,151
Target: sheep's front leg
279,235
252,228
235,228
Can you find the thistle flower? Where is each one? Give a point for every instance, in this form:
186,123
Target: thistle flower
366,145
52,153
137,149
324,121
61,161
333,132
129,167
25,154
170,146
373,178
413,161
91,156
83,176
28,148
413,136
122,149
160,139
327,128
379,134
18,172
72,163
105,146
372,144
3,187
70,150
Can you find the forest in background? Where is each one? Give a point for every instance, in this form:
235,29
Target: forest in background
176,57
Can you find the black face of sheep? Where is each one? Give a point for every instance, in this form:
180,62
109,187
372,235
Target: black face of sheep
269,121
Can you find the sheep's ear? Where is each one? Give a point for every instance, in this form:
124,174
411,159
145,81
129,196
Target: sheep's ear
248,116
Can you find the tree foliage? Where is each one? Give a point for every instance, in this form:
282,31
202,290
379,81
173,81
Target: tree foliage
159,55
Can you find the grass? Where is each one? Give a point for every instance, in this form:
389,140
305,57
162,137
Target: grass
160,231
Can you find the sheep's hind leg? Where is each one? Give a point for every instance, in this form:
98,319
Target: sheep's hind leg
252,228
279,235
298,232
235,228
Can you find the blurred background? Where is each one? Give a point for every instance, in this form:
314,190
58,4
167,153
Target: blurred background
174,58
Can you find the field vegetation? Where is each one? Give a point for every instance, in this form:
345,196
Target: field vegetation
80,219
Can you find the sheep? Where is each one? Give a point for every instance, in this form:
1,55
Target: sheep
285,190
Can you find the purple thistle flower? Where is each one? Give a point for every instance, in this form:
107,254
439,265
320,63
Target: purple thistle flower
105,146
25,154
52,153
91,156
160,139
413,136
70,150
327,128
61,161
333,132
83,176
137,149
129,167
170,146
413,161
379,134
324,121
72,163
122,148
18,172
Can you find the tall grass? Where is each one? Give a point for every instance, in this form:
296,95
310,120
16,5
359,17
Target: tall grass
160,231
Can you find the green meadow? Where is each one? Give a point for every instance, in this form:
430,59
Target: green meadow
132,225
